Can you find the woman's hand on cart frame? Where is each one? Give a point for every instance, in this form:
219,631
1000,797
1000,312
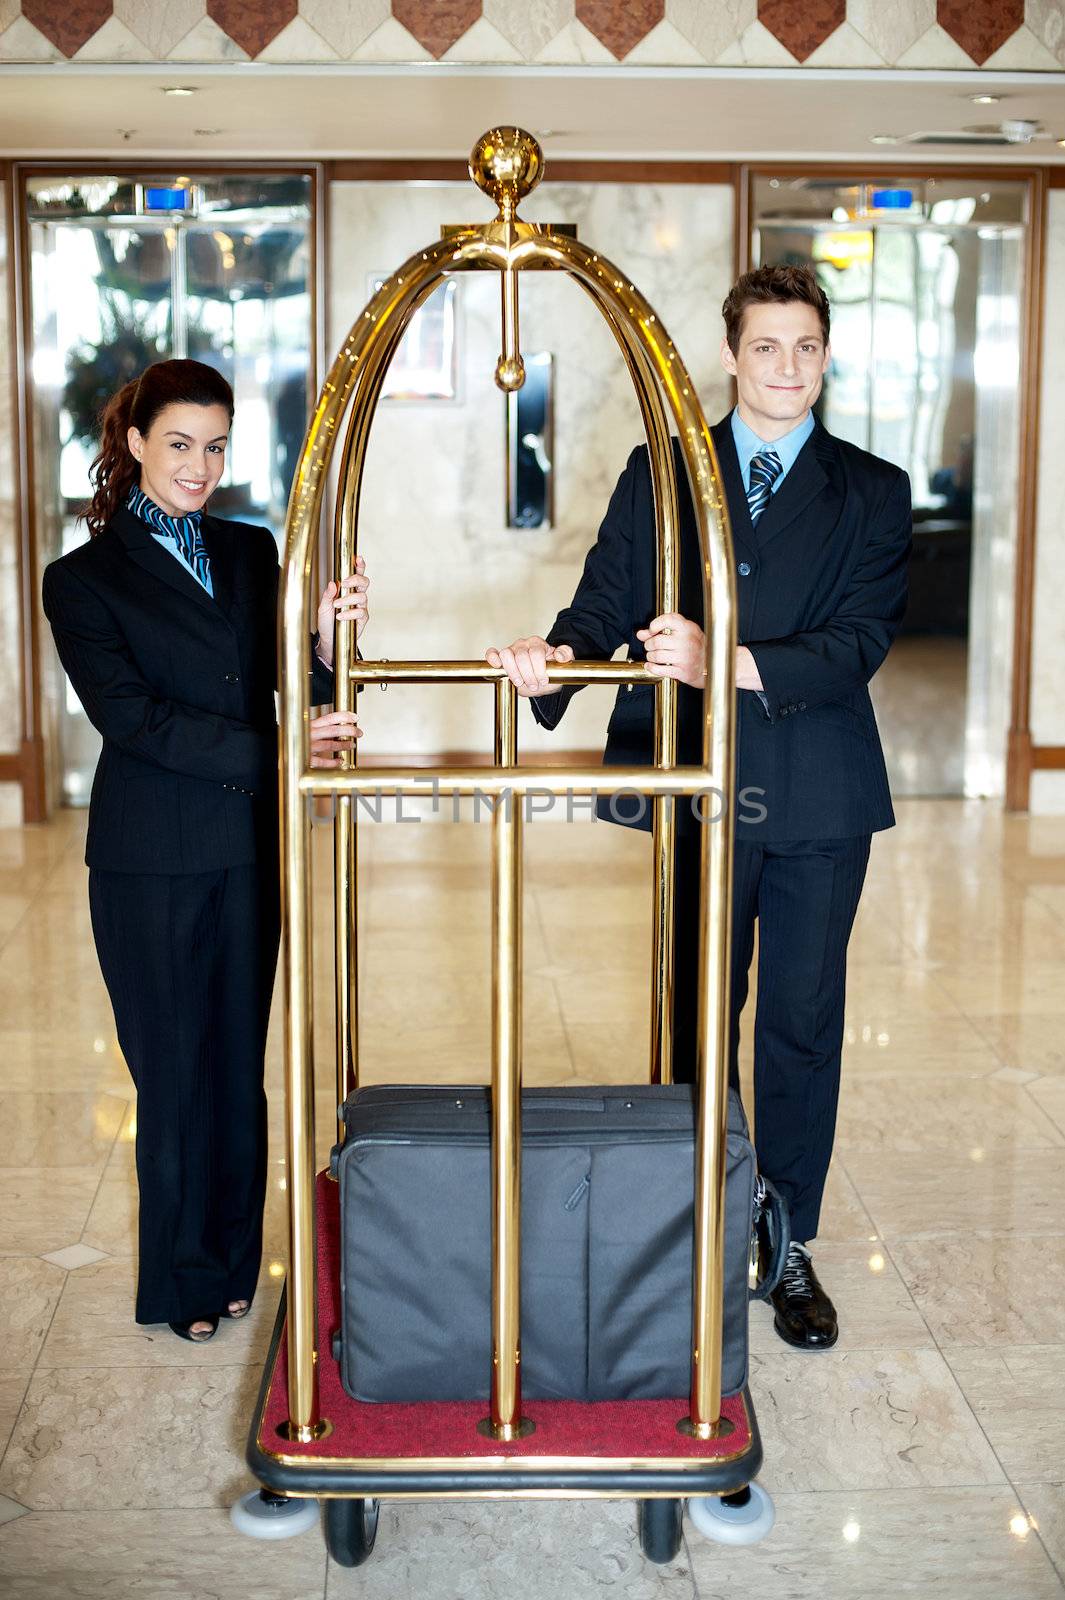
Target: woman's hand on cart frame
331,735
525,663
347,601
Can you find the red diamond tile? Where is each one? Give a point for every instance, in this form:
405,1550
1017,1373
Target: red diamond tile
980,26
436,23
252,23
69,25
801,29
620,24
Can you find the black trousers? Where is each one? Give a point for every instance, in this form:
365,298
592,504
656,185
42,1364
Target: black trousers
189,964
803,897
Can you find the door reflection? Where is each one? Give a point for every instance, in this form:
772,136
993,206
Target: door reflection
924,280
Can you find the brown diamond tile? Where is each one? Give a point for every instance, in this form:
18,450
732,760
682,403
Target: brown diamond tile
436,24
801,29
252,23
620,24
67,23
980,26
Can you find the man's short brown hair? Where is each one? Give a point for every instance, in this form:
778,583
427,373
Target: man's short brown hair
772,286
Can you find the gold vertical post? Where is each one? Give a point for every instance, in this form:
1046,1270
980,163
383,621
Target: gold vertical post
345,837
505,1420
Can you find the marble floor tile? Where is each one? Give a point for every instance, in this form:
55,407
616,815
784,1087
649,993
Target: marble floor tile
153,1555
914,1196
1035,1043
1006,987
29,1293
905,1047
58,1130
524,1551
1045,1505
987,1289
79,1062
844,1218
956,1544
99,1438
947,1114
111,1224
13,1384
866,1420
44,1208
94,1325
879,995
13,907
1018,1396
876,1311
1049,1096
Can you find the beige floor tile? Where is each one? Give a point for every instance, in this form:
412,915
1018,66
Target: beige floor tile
121,1438
879,995
13,1385
13,907
58,1130
94,1324
1049,1096
1035,1043
956,1544
1045,1505
153,1555
524,1551
29,1293
947,1113
907,1047
991,1290
43,1208
913,1196
866,1420
111,1224
876,1311
79,1062
1006,987
843,1217
1018,1395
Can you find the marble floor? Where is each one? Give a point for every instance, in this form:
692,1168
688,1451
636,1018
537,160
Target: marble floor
923,1454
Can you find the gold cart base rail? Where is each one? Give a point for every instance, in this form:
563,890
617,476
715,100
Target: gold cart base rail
506,163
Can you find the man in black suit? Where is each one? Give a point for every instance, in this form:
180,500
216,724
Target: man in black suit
821,533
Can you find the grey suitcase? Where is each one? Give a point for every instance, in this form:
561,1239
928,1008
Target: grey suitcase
606,1243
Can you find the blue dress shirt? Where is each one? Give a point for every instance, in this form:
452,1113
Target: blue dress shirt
787,447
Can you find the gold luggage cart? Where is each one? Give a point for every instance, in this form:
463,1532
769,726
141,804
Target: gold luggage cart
308,1438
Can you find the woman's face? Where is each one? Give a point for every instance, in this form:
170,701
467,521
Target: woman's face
182,456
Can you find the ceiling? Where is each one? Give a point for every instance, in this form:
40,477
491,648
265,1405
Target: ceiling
439,110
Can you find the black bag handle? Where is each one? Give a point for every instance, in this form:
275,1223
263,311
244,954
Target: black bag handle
770,1237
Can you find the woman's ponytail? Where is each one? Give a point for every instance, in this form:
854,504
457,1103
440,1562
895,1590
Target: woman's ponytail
114,470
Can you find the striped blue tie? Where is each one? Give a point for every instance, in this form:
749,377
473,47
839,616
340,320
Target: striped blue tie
765,470
185,531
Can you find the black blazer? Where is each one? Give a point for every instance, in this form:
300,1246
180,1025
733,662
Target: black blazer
181,686
821,584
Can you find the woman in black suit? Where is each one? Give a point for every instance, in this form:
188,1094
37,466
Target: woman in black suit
166,623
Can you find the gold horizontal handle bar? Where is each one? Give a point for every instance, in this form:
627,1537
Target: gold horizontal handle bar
418,784
573,672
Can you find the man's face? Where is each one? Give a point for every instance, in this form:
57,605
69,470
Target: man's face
779,366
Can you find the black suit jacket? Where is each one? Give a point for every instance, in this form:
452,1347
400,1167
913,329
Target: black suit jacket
821,585
181,686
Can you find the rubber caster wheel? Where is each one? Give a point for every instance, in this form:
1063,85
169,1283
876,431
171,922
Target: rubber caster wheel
742,1518
350,1528
660,1524
265,1515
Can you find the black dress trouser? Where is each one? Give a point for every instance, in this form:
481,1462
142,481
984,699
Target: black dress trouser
189,963
804,897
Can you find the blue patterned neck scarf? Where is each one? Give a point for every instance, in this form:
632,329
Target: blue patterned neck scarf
185,531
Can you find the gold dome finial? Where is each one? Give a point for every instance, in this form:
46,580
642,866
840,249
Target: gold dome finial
507,163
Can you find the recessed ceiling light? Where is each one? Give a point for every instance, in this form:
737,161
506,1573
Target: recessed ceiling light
883,138
985,99
1062,143
180,88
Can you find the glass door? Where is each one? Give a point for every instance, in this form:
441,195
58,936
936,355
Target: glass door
127,272
925,280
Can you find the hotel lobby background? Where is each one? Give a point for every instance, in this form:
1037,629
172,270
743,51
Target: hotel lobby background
925,1449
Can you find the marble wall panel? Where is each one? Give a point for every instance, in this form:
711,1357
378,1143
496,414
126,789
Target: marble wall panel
449,577
1048,627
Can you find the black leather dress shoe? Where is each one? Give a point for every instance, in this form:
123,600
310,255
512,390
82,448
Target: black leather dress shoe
805,1316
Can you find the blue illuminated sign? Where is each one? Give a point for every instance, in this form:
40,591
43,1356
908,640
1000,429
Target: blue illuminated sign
166,199
892,199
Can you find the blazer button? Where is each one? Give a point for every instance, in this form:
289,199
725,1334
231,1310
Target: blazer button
802,705
744,569
231,677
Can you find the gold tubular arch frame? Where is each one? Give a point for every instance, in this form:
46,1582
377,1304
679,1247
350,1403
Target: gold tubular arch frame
665,392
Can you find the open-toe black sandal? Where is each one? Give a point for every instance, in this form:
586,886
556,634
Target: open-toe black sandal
184,1330
236,1316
